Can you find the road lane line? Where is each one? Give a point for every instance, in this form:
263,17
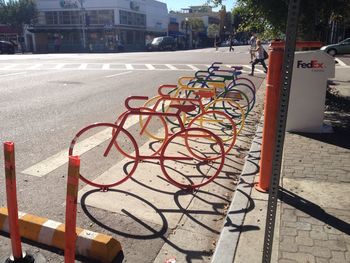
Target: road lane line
36,66
129,66
171,67
55,161
118,74
340,62
106,66
83,66
13,74
150,67
193,67
59,66
10,66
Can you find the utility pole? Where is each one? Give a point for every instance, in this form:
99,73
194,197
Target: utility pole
83,22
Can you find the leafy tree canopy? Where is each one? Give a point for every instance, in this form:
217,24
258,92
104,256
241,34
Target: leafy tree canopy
268,17
17,12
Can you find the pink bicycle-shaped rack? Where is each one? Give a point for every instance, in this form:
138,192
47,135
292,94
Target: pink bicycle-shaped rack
193,147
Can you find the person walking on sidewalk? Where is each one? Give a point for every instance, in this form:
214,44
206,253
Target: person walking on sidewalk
231,42
261,55
252,42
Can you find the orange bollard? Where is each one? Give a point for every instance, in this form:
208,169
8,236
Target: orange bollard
270,115
71,209
271,108
11,194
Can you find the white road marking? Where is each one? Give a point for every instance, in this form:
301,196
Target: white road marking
13,74
36,66
150,67
106,66
171,67
193,67
10,66
59,66
340,62
118,74
83,66
55,161
129,66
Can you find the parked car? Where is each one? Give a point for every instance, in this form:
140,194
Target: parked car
6,47
162,43
342,47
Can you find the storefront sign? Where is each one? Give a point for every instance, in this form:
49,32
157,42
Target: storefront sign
134,6
69,3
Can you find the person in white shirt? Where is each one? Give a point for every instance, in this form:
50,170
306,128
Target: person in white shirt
260,57
252,47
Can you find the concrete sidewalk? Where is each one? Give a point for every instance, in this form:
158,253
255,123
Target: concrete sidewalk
313,216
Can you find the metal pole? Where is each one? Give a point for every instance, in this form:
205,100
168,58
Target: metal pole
83,22
287,69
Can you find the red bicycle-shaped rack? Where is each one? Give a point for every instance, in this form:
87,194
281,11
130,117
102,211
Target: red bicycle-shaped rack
189,158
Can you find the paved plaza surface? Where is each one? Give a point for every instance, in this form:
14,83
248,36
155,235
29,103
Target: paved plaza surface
313,216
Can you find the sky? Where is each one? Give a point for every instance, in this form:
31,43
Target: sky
176,5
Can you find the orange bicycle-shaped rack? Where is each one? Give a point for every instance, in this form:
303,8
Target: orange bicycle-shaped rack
195,147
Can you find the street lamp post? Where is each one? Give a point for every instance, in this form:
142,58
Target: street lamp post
83,22
186,25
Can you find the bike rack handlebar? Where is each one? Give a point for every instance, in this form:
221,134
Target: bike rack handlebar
134,98
165,86
216,63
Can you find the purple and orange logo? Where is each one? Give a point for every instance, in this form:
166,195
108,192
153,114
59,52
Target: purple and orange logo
314,64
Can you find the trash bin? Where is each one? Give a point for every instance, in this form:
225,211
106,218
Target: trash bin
311,70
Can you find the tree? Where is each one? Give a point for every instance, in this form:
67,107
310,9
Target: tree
17,13
269,17
213,30
196,24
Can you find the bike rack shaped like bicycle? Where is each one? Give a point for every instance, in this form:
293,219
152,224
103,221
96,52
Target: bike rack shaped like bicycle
199,147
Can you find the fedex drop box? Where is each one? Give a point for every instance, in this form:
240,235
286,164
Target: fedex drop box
311,70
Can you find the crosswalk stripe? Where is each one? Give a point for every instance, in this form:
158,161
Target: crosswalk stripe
59,66
150,67
83,66
129,67
106,66
36,66
193,67
171,67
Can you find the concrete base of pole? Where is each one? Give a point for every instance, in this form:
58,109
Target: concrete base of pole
26,258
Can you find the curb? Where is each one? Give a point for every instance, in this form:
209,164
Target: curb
225,250
51,233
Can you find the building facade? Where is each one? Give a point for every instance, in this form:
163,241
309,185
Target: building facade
96,25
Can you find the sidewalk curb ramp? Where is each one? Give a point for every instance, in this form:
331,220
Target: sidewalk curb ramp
226,247
51,233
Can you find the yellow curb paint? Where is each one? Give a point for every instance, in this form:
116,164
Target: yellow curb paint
89,244
58,237
3,216
30,226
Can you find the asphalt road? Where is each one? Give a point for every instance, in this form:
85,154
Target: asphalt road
45,99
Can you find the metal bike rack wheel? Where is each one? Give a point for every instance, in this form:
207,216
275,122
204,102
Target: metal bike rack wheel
131,143
167,155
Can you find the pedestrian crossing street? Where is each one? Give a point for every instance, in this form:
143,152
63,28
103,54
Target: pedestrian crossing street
112,66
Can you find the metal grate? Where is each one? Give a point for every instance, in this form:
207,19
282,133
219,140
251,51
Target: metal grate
287,69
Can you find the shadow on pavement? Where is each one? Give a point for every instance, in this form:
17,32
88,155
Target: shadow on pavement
313,210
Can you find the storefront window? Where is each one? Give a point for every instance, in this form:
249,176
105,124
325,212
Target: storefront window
66,17
105,17
75,17
131,18
51,18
